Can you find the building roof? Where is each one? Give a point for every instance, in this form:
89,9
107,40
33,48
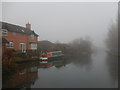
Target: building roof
4,40
17,29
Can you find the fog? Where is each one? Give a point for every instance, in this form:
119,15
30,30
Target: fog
64,21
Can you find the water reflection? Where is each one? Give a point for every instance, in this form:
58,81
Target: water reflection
57,63
81,61
94,71
25,76
112,63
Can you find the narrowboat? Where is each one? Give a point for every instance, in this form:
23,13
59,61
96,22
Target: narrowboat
43,58
55,54
51,56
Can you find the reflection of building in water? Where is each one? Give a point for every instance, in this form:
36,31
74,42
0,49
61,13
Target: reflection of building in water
22,78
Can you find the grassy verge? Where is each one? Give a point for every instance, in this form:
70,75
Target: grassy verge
19,59
24,59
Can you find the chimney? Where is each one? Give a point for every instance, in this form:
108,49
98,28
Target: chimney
28,25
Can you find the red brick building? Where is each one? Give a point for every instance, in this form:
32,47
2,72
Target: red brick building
19,38
4,42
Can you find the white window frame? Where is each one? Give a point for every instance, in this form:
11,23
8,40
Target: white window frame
32,36
4,32
10,45
22,72
14,33
33,46
23,49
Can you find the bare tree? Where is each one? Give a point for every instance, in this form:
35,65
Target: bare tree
112,39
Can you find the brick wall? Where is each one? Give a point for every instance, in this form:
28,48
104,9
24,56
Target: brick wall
18,38
3,48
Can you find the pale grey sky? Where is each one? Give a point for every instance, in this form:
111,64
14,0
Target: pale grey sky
63,21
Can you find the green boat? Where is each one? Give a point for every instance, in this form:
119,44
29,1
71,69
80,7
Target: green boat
55,54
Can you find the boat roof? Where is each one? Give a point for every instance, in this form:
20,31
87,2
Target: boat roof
54,51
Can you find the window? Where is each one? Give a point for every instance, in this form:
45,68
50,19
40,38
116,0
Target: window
22,30
33,46
14,33
32,36
22,47
4,32
10,45
21,72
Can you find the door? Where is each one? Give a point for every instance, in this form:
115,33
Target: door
22,47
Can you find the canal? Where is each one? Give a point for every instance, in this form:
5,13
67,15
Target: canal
96,71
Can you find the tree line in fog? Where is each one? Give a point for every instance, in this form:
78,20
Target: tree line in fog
77,46
112,38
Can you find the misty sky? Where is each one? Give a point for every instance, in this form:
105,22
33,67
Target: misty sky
62,21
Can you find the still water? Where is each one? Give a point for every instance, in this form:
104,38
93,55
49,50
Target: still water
96,71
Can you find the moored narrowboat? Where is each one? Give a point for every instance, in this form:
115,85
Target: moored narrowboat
51,55
43,58
55,54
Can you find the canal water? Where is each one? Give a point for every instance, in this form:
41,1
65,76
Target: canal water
98,70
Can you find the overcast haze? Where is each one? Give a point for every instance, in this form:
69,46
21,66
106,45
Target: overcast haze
63,21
